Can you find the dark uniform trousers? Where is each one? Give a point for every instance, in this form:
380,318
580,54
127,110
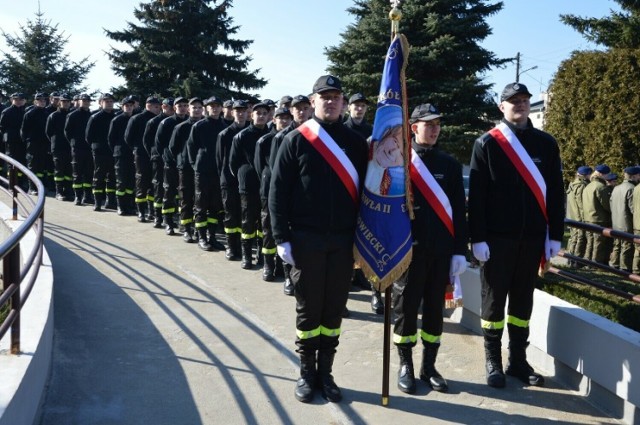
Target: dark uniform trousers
157,181
143,176
207,203
426,279
249,202
321,278
82,165
62,174
268,243
170,187
37,160
231,203
104,181
187,193
125,175
512,270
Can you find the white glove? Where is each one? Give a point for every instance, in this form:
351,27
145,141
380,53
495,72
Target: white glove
480,251
284,251
551,249
458,265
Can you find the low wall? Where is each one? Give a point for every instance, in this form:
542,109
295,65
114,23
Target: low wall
581,350
25,376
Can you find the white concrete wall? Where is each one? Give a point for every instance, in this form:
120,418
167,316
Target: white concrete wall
582,350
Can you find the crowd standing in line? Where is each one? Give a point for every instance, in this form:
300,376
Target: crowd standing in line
246,172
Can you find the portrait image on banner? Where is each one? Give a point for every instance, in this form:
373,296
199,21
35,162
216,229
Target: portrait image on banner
383,233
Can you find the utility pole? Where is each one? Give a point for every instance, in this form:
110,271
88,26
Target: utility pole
517,67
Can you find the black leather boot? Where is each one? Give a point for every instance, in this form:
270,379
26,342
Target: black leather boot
211,235
142,212
493,355
60,192
428,372
268,271
203,243
406,377
517,365
77,200
150,212
279,271
98,200
247,254
130,204
121,209
87,197
111,203
330,390
377,305
306,384
187,235
233,247
157,218
169,225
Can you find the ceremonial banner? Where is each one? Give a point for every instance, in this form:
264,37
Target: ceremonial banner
383,234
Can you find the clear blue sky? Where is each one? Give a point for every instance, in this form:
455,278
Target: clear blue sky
290,36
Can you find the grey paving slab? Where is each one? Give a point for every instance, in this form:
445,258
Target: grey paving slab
151,330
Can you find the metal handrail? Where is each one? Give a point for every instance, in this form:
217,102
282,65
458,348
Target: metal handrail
608,232
16,289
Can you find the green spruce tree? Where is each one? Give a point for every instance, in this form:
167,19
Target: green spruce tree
446,63
39,62
183,47
619,30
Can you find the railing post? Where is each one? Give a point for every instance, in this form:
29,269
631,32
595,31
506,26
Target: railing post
11,274
13,183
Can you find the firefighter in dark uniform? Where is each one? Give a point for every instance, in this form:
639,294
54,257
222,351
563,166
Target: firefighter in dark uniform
104,179
35,138
313,217
81,162
10,123
133,136
170,174
178,152
241,156
201,147
437,256
123,158
60,148
282,119
54,102
157,167
509,232
301,112
227,112
358,105
229,183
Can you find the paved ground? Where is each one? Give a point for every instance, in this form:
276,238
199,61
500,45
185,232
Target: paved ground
150,330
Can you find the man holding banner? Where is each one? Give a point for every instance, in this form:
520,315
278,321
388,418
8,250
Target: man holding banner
313,201
439,233
516,221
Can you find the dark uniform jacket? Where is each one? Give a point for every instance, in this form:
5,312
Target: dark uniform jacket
241,156
135,131
500,201
178,143
10,123
33,130
75,129
201,146
116,136
364,128
223,149
98,132
163,137
55,132
261,161
306,193
427,229
149,136
277,141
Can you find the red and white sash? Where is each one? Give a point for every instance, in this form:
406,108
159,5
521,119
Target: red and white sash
331,152
431,190
520,159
